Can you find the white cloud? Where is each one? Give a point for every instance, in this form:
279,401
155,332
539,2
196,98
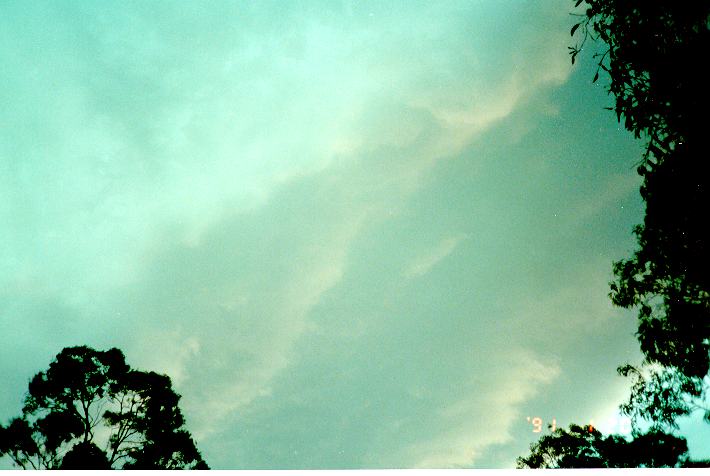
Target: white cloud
209,186
425,262
483,416
614,190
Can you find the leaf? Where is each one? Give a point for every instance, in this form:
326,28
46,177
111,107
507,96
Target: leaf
577,3
574,28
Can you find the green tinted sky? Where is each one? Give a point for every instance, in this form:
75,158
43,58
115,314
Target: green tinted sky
355,234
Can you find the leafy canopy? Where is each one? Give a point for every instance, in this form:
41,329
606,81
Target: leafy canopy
586,447
90,410
654,57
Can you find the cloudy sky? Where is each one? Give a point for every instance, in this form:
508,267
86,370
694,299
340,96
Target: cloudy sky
354,233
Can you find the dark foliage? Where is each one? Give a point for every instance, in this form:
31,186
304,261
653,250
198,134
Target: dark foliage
84,390
654,60
585,447
654,54
85,455
661,395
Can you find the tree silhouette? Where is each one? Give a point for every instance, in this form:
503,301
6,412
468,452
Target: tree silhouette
85,455
586,447
90,410
654,57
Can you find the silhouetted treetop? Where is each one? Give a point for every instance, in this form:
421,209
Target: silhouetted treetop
586,447
90,410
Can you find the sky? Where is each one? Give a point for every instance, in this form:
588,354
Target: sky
355,234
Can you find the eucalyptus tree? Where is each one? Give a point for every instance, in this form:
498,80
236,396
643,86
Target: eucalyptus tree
586,447
653,54
90,410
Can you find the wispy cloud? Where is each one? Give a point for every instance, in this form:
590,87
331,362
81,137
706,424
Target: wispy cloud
459,441
425,262
210,182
